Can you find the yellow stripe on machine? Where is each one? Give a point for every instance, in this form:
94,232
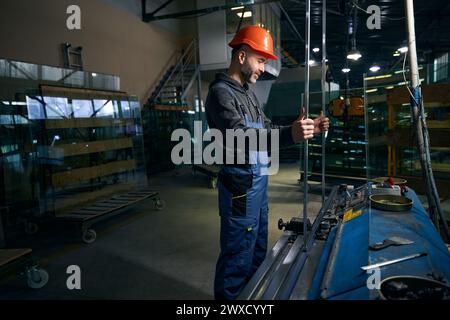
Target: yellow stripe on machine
349,214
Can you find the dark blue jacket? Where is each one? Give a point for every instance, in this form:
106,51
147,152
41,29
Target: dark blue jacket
223,111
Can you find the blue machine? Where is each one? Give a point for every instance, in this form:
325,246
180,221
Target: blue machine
328,262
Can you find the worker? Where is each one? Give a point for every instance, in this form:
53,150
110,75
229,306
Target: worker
243,203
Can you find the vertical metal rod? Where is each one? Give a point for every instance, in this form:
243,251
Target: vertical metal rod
420,123
199,83
412,44
305,163
366,125
301,150
324,75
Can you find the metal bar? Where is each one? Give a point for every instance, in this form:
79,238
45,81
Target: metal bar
323,82
291,24
253,287
149,17
165,4
20,70
305,163
190,83
297,266
283,271
366,125
278,275
175,68
412,50
387,263
143,8
199,89
315,6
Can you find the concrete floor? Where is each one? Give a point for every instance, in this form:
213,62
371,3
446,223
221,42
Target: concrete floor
148,254
143,253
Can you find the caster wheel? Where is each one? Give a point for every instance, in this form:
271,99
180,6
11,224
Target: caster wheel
89,236
31,227
160,204
36,278
213,183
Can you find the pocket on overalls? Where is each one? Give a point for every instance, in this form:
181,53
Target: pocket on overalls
241,234
238,185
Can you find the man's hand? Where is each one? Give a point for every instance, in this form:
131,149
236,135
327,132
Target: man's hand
302,129
321,123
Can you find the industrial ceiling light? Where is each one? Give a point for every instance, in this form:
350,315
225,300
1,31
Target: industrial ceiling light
354,55
403,49
346,70
237,8
247,14
315,50
396,54
374,68
312,62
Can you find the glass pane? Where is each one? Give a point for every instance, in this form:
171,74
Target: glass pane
57,108
126,109
4,68
24,70
74,78
105,108
82,108
51,73
35,109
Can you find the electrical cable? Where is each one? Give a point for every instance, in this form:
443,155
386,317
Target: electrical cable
433,198
240,20
369,13
406,81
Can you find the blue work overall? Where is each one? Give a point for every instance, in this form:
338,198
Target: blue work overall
243,208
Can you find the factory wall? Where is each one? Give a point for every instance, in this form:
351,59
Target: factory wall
114,41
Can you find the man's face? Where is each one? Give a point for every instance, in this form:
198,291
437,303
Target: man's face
252,65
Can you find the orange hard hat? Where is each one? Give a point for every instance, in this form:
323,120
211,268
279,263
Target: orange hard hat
257,38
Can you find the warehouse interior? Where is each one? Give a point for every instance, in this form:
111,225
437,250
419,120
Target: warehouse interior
91,93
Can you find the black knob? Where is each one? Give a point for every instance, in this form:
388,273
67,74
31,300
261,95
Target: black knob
281,224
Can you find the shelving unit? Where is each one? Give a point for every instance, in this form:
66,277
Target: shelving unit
159,121
403,160
68,149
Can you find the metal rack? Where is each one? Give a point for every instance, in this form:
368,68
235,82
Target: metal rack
400,142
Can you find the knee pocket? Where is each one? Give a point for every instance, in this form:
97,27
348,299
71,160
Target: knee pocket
241,235
238,185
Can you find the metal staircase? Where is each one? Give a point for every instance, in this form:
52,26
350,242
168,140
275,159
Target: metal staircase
171,106
175,84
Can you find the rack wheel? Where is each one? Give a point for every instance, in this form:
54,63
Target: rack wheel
160,204
89,236
36,277
31,227
213,183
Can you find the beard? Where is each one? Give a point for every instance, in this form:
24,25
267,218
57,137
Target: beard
248,74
